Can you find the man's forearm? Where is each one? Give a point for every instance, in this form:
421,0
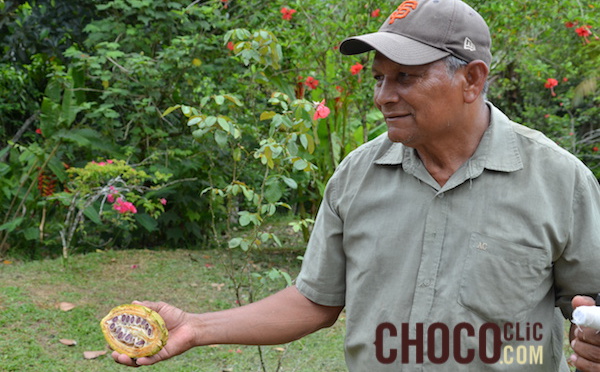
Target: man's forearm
280,318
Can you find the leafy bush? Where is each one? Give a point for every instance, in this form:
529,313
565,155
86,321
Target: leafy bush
241,77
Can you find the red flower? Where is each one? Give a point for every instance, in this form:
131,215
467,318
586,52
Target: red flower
311,82
230,45
322,111
287,13
550,84
38,131
570,24
595,149
375,13
583,31
356,68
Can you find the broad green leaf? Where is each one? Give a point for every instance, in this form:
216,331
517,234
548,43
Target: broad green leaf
300,164
245,219
266,115
11,225
194,120
233,99
170,110
91,213
221,138
31,233
147,222
235,242
223,123
290,182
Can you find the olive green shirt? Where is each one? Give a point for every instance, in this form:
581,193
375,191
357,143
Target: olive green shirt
512,234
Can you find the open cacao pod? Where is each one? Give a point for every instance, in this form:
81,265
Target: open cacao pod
134,330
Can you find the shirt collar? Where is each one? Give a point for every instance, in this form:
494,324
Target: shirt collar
497,150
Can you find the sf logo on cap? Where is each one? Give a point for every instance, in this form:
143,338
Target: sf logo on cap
403,10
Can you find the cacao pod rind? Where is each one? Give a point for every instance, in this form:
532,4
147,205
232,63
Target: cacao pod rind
134,330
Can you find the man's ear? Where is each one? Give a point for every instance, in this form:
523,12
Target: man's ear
476,73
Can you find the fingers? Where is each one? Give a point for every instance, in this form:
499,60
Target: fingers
586,346
583,365
582,301
124,359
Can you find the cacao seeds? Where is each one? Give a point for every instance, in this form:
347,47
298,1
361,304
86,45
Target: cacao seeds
134,330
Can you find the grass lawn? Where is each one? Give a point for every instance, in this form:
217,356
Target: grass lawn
32,324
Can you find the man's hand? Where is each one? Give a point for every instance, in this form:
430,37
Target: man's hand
181,335
277,319
585,341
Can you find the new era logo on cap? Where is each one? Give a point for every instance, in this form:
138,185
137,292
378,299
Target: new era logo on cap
468,45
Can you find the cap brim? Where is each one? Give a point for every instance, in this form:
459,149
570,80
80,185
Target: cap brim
398,48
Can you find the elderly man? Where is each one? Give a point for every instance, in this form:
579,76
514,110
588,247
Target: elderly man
452,240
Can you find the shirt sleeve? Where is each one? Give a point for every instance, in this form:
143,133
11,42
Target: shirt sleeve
323,275
577,270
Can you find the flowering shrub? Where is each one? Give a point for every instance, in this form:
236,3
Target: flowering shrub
114,182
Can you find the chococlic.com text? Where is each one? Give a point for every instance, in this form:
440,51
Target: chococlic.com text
445,343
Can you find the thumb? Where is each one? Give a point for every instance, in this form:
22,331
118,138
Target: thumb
582,301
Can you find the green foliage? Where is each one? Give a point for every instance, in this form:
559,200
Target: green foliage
243,82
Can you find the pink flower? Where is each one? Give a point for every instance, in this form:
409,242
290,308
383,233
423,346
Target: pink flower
356,68
287,13
111,198
124,206
163,201
311,82
322,111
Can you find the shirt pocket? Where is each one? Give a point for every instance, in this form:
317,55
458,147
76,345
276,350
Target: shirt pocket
502,281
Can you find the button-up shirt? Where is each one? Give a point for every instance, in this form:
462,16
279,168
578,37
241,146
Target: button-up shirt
462,277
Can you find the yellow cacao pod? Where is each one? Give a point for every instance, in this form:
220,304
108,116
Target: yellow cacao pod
134,330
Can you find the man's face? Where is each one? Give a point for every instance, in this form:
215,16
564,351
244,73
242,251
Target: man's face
421,104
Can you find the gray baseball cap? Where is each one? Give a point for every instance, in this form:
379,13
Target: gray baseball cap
422,31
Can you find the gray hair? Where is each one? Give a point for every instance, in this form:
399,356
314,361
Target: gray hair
453,64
